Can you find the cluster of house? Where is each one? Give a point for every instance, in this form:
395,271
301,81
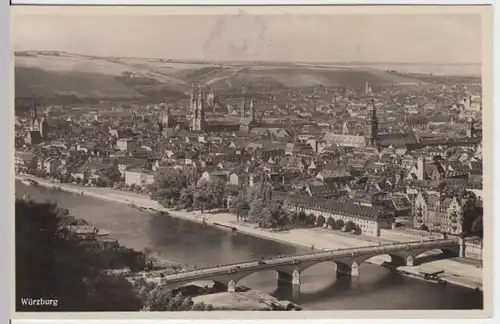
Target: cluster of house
372,179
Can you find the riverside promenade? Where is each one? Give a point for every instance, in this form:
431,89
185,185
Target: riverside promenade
455,271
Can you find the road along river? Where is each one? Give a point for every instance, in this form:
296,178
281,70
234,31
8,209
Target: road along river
197,245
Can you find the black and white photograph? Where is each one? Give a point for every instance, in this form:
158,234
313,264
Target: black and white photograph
218,159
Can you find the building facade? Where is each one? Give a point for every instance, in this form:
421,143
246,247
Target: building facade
442,213
369,219
138,178
126,144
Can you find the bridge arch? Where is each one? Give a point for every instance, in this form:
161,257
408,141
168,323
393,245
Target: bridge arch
384,258
239,278
411,256
341,266
425,255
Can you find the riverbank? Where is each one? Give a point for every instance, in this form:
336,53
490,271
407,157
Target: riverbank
251,300
455,272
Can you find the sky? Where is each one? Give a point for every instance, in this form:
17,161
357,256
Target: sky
419,38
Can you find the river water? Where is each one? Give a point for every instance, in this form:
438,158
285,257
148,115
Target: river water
197,245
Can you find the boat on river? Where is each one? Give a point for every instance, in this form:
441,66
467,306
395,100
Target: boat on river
429,277
29,182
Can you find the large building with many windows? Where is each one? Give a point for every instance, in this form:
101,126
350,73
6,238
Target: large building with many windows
444,213
369,219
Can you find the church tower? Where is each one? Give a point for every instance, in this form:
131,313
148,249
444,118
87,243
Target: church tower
242,109
38,123
197,105
34,112
166,119
211,100
247,122
252,111
43,127
368,89
345,129
372,124
470,127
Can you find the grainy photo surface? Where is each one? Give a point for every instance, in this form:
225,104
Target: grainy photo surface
249,159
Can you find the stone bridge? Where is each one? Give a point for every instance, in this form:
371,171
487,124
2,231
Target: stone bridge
289,268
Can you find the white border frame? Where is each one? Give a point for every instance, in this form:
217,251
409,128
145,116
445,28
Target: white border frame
7,160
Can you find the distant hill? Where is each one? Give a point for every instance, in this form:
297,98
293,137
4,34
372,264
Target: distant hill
54,74
80,84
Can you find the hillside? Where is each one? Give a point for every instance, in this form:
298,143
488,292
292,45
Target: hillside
62,74
80,84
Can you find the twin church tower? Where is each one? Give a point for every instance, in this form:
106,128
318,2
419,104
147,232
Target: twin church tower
202,98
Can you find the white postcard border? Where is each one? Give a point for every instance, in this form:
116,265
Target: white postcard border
8,193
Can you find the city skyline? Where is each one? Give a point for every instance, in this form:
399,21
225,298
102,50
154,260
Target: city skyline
391,38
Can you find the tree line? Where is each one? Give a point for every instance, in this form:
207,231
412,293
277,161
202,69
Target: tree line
183,188
53,262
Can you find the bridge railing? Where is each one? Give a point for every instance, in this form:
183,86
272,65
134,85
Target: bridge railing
396,246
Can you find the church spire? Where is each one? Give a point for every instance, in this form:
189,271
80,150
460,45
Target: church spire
372,123
242,108
252,110
34,112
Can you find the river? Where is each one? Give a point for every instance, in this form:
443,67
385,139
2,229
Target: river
193,244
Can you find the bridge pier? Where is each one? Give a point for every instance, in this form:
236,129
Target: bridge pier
348,270
219,285
231,286
354,269
410,261
296,278
285,278
461,251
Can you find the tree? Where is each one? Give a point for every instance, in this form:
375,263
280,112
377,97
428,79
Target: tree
166,196
350,226
162,299
293,217
339,224
159,299
477,227
202,195
186,304
174,178
199,306
217,196
113,174
330,223
186,198
52,262
111,293
259,213
302,218
240,205
320,221
311,219
278,216
175,304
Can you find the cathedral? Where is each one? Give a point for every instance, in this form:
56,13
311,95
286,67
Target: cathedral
198,101
37,122
203,100
247,121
